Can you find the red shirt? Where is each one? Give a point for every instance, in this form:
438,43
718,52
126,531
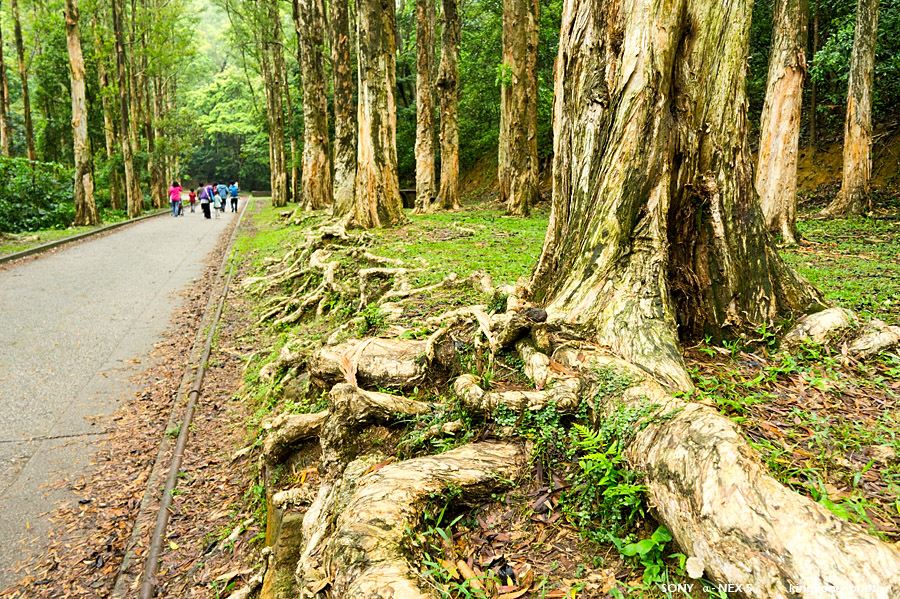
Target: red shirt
192,197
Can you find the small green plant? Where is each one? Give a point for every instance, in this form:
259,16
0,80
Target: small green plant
374,320
649,553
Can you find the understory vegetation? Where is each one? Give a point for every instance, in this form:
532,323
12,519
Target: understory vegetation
579,523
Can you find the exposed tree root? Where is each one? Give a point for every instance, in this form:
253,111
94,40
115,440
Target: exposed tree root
711,491
565,395
372,363
288,430
368,552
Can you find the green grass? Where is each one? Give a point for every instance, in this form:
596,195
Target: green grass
854,262
505,248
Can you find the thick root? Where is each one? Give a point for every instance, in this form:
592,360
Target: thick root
821,326
372,363
879,338
565,395
368,552
289,430
710,490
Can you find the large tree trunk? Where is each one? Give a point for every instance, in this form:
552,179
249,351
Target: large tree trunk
310,23
517,165
813,88
447,85
426,191
378,202
134,198
294,180
344,182
776,171
85,207
857,172
109,124
5,127
23,75
655,231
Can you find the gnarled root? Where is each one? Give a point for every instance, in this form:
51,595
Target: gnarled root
565,395
368,554
711,491
372,362
287,431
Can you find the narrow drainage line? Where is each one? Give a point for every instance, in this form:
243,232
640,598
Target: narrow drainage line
55,437
151,563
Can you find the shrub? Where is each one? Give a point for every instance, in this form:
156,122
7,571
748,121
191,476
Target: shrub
35,195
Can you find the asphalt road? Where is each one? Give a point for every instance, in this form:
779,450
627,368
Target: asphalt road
74,325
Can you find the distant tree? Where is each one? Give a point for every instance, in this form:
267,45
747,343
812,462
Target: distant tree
23,75
85,206
776,170
378,202
426,191
448,90
344,181
857,170
109,122
134,198
5,127
517,165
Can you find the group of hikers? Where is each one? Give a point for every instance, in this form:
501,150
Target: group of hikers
212,197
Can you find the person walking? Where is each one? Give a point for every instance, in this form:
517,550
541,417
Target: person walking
233,190
204,201
217,202
192,198
223,193
175,198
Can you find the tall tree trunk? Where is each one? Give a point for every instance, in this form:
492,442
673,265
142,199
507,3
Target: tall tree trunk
447,85
813,88
857,172
310,23
779,138
109,124
134,198
272,66
344,182
518,160
158,188
378,202
656,235
655,232
85,207
5,127
23,74
426,186
294,180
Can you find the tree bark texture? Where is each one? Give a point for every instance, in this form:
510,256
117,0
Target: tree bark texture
655,231
853,197
517,164
316,171
448,86
5,127
779,138
85,206
134,198
272,58
426,188
378,202
23,75
294,180
718,500
344,180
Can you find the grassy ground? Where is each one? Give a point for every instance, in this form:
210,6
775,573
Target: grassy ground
17,242
824,424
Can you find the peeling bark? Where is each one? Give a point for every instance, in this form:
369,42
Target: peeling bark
853,198
776,171
426,189
309,18
447,85
517,164
655,232
378,201
85,207
344,182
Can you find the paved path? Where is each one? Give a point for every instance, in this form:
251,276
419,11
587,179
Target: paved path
74,326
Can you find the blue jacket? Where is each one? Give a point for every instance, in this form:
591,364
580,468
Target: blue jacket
234,191
223,191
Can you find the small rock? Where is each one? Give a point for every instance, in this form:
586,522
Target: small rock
694,567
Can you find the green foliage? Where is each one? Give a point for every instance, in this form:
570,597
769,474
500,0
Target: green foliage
35,195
